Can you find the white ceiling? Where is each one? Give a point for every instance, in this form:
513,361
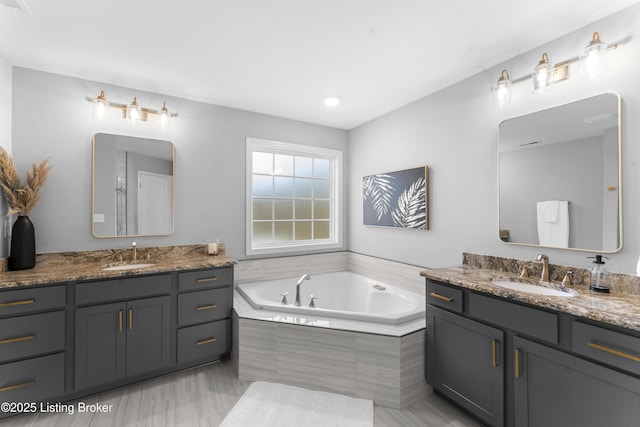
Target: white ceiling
281,57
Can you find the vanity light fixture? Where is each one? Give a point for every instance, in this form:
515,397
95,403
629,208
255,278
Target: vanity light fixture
542,75
502,90
592,61
132,112
100,107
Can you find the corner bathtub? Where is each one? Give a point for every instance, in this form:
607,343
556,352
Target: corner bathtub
340,295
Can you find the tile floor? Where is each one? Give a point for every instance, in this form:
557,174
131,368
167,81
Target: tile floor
203,396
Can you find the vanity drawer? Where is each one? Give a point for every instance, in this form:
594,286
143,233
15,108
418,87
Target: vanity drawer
207,341
204,306
202,279
445,296
121,289
28,336
32,380
613,348
33,299
530,321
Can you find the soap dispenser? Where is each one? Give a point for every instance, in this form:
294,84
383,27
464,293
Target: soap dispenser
599,275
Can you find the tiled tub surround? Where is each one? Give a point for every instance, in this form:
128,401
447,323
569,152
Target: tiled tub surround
619,308
384,363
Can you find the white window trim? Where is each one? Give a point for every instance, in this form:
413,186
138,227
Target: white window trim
336,230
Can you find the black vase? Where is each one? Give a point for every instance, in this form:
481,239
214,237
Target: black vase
23,245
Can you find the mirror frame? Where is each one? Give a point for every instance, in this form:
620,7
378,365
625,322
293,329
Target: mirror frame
93,189
619,164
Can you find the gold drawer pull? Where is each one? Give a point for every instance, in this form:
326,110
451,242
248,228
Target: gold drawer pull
613,351
517,362
14,303
11,340
120,321
13,387
494,357
207,341
205,307
131,319
207,279
440,297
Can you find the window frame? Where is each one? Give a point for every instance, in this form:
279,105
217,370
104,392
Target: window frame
335,197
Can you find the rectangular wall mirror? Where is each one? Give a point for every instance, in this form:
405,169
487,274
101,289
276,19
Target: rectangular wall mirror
133,186
559,176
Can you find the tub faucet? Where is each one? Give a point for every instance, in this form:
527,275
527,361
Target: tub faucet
302,279
545,267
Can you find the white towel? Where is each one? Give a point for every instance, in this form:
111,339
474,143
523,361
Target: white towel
551,208
555,234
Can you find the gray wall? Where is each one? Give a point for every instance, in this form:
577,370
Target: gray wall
5,142
454,133
52,118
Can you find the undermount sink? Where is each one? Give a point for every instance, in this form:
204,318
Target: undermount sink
533,289
126,267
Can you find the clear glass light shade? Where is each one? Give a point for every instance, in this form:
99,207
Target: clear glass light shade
593,59
502,90
134,112
542,76
164,118
101,107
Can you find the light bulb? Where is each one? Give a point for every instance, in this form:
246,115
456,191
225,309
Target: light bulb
593,59
502,90
134,112
542,74
164,118
101,107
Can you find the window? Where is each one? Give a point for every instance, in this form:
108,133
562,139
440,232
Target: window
292,197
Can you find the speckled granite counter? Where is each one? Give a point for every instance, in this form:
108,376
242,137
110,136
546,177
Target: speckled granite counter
620,309
77,266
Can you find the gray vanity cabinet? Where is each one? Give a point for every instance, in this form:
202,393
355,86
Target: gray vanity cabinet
123,339
464,363
556,388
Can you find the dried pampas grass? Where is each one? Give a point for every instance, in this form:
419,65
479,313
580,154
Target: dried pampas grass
22,198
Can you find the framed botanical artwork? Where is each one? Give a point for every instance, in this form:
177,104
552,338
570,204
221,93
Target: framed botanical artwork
397,199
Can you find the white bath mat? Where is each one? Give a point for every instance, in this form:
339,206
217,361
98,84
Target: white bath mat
266,404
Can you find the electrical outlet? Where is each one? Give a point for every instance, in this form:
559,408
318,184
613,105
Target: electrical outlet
98,217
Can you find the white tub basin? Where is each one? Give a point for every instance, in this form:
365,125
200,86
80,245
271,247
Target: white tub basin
533,289
127,267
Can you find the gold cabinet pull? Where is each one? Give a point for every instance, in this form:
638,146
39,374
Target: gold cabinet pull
613,351
494,356
130,318
120,321
205,307
13,387
440,297
516,362
11,340
207,279
14,303
207,341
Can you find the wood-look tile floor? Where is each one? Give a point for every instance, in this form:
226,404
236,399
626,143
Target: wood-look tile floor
203,396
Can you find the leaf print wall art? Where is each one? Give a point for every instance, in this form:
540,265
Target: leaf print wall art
397,199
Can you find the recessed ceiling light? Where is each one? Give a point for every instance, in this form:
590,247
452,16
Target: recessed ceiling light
331,101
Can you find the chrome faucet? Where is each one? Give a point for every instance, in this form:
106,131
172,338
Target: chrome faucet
302,279
134,257
545,267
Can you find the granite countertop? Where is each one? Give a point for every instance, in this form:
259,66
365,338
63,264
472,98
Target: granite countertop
78,266
617,309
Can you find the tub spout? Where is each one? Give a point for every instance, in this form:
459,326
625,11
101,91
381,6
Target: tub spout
302,279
